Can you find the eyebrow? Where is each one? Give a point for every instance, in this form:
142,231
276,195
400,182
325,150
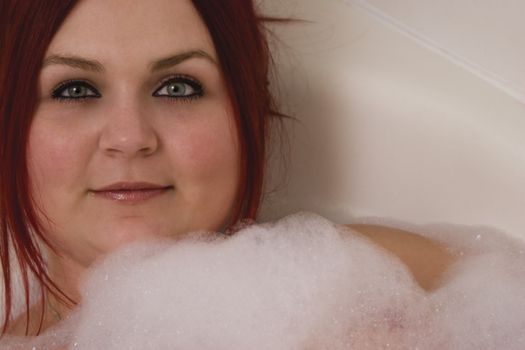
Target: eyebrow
75,62
174,60
96,66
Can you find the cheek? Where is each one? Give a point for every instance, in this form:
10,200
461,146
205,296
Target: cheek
207,154
53,157
208,150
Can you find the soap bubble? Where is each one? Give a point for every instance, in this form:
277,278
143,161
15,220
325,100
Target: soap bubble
302,282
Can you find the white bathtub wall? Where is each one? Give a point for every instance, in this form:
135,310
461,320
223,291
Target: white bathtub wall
392,127
480,35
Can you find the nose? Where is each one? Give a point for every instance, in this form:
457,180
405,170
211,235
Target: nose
128,132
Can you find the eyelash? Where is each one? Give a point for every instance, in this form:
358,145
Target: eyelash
62,87
194,84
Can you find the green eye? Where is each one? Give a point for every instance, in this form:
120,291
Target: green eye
77,91
74,90
180,87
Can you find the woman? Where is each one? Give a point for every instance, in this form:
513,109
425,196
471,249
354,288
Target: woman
126,120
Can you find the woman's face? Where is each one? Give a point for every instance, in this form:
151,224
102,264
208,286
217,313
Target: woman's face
134,135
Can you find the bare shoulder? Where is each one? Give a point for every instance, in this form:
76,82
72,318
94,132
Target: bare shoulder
426,259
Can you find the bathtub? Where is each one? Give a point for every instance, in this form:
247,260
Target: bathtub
400,114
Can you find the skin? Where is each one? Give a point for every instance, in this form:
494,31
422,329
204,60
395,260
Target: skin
128,128
124,132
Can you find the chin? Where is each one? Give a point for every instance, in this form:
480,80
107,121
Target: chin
133,231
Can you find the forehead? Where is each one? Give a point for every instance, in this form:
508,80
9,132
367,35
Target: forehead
132,31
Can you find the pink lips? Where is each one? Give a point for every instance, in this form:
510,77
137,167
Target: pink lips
131,192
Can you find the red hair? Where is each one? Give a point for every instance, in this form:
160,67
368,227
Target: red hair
27,28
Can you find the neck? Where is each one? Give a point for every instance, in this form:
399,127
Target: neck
67,275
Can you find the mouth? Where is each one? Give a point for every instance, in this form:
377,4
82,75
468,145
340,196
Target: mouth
130,192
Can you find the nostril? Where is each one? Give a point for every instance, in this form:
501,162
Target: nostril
134,138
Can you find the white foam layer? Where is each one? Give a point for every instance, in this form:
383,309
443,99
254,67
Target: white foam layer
300,283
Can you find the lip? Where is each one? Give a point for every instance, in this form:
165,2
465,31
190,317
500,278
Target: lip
131,192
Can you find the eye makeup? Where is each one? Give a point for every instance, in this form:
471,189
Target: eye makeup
180,87
74,90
